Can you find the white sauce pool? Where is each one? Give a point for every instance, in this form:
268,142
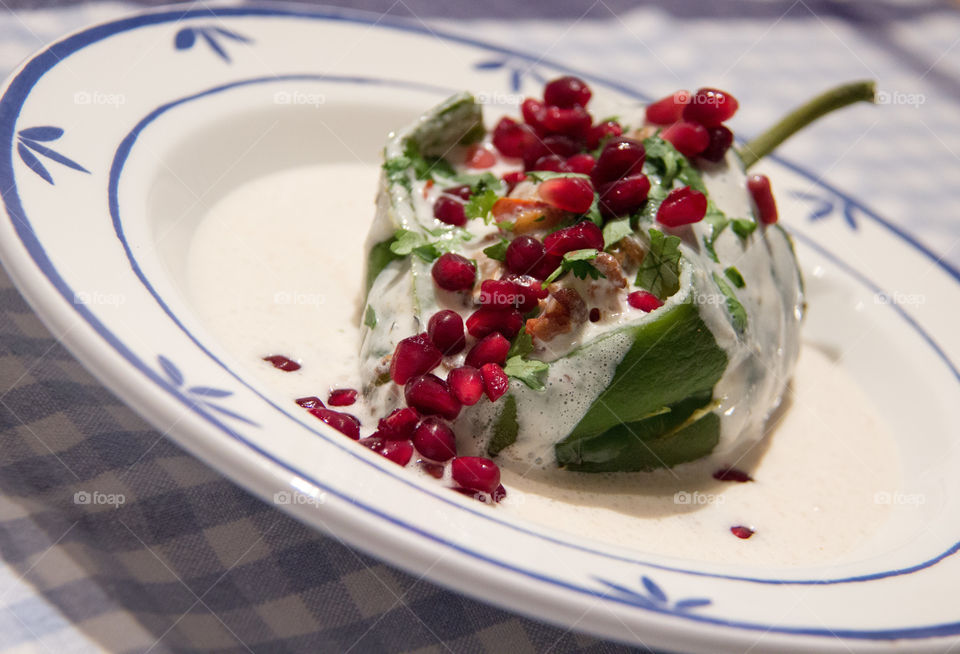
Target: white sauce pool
276,268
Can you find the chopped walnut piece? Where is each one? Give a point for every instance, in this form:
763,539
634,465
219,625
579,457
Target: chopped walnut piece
564,310
610,267
629,249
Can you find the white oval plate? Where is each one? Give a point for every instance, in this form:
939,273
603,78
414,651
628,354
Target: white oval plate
190,91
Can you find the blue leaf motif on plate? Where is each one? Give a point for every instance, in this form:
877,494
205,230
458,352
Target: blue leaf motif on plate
202,395
653,597
30,144
186,37
822,208
516,68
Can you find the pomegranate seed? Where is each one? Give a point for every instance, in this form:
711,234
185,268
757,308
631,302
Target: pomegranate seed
573,194
476,473
479,157
530,289
415,355
553,163
400,452
690,139
532,111
601,132
445,329
466,382
732,474
501,293
309,402
594,315
499,493
342,397
759,187
583,235
486,320
644,301
620,157
399,425
449,211
721,139
281,362
668,110
573,121
742,532
454,272
374,443
512,138
563,146
532,153
624,196
682,207
435,440
435,470
582,163
492,348
523,254
495,381
430,395
710,107
512,179
344,423
567,91
463,191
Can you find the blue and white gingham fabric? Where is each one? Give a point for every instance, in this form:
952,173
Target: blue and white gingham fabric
192,563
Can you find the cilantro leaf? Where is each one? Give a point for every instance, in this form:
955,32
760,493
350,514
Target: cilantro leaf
497,251
370,317
654,199
735,277
738,315
480,204
544,175
663,158
743,227
577,262
660,270
427,167
407,242
522,345
529,372
506,428
616,230
395,170
718,222
479,182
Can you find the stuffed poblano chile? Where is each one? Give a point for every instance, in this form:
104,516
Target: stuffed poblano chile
606,295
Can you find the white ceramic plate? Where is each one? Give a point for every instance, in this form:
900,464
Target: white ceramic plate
110,136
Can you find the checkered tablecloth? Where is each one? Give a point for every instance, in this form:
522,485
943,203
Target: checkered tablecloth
190,562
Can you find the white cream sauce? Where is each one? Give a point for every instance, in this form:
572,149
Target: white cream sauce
276,268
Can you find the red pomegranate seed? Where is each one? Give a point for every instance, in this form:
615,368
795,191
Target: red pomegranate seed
742,532
532,110
624,196
492,348
414,356
582,163
573,121
345,423
449,211
466,382
601,132
759,187
512,179
430,395
399,425
476,473
486,320
620,157
690,139
342,397
281,362
435,470
512,138
400,452
499,494
532,153
581,236
523,254
495,381
435,440
463,191
530,289
574,194
309,402
553,163
682,206
445,329
721,139
710,107
563,146
479,157
668,110
594,315
374,443
453,272
644,301
567,91
732,474
501,293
